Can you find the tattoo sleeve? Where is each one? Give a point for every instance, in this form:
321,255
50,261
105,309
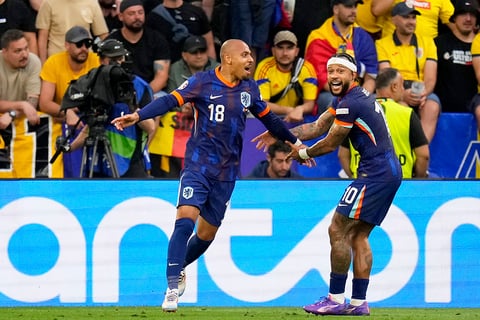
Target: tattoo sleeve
312,130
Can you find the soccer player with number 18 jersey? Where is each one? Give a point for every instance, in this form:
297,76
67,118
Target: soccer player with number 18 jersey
221,99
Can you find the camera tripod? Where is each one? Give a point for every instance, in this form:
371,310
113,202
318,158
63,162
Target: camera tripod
96,142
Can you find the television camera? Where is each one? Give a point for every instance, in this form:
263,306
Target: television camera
94,95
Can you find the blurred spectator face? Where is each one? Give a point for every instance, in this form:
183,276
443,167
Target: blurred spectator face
133,18
285,53
16,54
78,51
197,59
345,14
405,24
279,165
466,22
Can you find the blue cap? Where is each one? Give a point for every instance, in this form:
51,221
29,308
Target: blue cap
404,9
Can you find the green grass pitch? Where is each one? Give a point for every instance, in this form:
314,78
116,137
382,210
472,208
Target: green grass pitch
221,313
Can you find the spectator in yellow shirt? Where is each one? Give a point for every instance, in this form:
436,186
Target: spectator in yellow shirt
431,12
286,82
416,59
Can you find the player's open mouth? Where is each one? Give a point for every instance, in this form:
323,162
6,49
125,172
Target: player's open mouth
335,84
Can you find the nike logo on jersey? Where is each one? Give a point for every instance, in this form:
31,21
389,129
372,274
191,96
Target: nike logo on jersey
172,264
212,97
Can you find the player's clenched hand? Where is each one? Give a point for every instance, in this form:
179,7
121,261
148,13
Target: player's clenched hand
294,154
264,140
125,121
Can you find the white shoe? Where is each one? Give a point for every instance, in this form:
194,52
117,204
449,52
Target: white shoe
182,282
170,303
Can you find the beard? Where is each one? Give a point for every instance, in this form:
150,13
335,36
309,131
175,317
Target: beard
285,66
345,87
80,58
347,20
135,27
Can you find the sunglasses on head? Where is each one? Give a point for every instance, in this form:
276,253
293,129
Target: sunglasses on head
87,43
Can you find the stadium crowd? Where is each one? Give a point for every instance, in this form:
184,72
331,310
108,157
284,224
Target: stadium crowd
434,45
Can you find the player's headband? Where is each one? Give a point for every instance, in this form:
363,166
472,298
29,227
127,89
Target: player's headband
343,62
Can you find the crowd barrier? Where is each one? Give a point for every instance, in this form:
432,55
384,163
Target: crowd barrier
104,242
454,151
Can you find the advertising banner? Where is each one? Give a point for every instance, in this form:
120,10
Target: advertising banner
104,242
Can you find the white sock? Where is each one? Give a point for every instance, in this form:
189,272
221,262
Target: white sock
356,302
338,297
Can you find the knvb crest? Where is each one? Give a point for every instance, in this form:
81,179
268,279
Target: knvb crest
187,192
246,99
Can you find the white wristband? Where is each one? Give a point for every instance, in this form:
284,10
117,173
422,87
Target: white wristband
303,154
298,143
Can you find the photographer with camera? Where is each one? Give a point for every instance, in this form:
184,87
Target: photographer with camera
105,93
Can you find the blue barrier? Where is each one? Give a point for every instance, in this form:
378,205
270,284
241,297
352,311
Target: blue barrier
453,151
455,134
103,242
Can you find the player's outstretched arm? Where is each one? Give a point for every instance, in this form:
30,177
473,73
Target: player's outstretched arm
125,121
264,140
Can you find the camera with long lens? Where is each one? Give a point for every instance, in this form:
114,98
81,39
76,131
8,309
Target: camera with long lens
94,95
96,92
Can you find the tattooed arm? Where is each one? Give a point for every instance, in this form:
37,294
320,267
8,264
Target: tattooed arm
303,132
308,131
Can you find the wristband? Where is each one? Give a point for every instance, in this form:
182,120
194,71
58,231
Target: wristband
298,143
303,154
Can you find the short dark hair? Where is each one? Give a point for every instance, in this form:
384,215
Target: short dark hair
385,77
10,36
278,146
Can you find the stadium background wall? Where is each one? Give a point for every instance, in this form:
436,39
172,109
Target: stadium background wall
103,242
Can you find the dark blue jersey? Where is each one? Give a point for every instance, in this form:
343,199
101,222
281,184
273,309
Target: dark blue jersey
220,109
369,133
